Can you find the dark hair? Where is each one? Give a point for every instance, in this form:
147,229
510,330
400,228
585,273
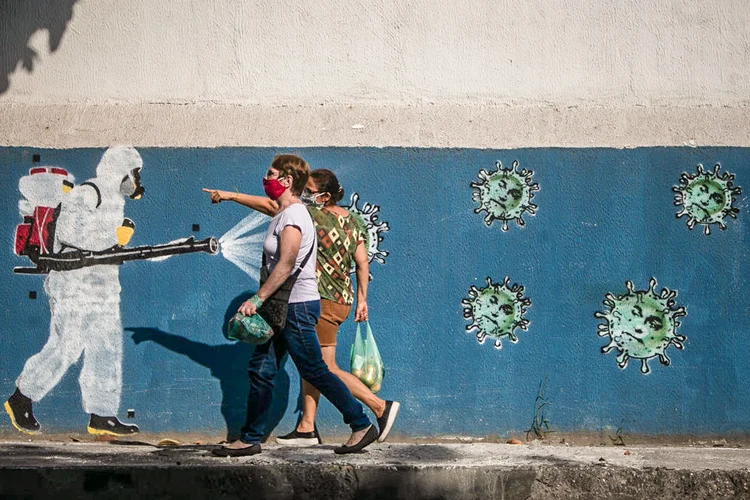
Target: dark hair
326,182
294,166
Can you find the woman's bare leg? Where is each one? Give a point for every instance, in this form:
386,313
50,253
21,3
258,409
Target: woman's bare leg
360,391
311,396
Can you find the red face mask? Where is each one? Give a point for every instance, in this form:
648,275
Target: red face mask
273,188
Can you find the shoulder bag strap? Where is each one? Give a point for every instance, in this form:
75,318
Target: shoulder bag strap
301,266
304,261
309,253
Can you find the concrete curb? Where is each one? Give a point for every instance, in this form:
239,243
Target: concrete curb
399,471
348,482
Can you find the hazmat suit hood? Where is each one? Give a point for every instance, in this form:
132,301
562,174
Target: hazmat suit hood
120,169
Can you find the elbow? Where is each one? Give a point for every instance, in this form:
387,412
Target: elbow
268,208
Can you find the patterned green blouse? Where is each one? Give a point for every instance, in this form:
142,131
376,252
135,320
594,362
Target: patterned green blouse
338,238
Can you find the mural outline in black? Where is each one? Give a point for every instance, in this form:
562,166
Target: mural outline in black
373,228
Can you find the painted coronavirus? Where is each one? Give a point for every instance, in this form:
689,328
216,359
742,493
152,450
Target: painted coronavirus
368,215
496,311
706,198
641,324
505,194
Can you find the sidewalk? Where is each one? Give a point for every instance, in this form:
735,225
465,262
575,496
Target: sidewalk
41,469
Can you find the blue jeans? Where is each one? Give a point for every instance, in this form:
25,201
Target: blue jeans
299,339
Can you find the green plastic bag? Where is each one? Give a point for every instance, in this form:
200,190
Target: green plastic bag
251,329
365,361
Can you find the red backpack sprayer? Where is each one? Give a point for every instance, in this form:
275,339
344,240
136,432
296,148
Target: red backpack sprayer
35,239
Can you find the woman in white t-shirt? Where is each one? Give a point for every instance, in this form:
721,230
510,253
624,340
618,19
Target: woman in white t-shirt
290,242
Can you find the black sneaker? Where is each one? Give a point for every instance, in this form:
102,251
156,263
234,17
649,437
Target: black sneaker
21,416
385,423
253,449
296,438
110,425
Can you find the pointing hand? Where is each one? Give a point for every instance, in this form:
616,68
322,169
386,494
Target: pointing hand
217,196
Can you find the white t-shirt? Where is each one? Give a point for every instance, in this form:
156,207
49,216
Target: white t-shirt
306,286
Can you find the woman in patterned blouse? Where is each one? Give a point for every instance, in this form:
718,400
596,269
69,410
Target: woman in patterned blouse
342,245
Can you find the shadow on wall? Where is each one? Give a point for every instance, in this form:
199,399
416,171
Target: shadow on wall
228,364
19,20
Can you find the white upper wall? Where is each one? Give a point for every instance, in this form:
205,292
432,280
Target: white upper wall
276,52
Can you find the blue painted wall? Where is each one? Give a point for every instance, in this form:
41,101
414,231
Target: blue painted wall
605,216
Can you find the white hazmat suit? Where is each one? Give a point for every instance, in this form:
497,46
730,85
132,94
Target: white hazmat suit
85,303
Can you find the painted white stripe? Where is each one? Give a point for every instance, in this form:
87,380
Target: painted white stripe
433,126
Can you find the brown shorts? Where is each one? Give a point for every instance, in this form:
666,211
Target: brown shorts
332,314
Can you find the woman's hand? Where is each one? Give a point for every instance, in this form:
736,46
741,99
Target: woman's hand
360,314
247,308
217,196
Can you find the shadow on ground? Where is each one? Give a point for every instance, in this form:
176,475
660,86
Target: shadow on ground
228,364
403,454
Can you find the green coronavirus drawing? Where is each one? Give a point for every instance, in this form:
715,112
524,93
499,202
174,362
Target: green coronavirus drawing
706,198
641,324
505,194
496,310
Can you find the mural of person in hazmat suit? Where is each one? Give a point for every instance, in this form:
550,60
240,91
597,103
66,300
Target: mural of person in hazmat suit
85,303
